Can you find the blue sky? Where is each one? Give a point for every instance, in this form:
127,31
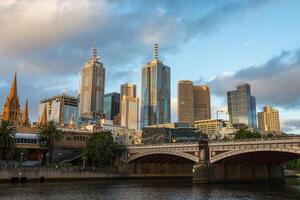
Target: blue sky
219,43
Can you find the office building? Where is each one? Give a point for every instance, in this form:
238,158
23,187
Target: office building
211,127
92,88
201,102
268,120
62,109
111,105
129,108
242,107
193,102
156,93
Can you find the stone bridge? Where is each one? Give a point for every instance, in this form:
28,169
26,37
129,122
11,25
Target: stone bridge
216,161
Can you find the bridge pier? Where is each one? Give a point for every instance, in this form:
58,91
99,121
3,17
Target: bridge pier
235,172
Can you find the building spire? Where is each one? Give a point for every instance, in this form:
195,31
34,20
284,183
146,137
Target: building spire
43,120
13,90
25,119
155,51
95,52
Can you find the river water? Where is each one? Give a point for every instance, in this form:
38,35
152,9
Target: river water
148,189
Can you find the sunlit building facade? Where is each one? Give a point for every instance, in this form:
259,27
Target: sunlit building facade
268,120
155,108
129,107
242,107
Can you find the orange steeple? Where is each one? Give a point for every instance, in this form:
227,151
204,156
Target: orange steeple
43,120
13,90
11,110
25,119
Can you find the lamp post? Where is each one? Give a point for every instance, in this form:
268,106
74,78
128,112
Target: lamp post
21,158
218,126
59,157
83,162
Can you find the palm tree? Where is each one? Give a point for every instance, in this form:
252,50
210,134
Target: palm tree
7,139
50,133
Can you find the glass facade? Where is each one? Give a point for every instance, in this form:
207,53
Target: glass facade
111,105
242,106
155,107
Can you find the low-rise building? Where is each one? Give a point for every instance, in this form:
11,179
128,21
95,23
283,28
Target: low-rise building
170,133
211,127
268,120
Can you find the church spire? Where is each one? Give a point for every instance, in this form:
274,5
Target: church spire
25,119
11,109
13,90
43,120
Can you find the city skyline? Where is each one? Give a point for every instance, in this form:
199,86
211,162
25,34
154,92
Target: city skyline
55,59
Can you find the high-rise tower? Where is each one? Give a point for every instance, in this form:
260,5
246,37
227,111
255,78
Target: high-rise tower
92,88
155,92
11,110
193,102
242,107
129,106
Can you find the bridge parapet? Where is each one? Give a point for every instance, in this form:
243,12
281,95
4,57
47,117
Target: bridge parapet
219,150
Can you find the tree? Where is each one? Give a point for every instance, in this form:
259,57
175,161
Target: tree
7,139
100,149
247,134
50,134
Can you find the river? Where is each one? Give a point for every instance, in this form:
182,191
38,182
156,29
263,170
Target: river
148,189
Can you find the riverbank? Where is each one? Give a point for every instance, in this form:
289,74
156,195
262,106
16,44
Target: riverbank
292,173
54,175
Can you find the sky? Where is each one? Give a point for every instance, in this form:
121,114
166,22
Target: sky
219,43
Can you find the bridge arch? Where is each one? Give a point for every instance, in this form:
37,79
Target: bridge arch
295,152
173,153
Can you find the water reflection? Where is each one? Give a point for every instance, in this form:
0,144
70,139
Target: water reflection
149,189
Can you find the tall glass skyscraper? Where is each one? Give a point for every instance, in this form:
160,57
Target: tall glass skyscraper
242,106
111,105
155,92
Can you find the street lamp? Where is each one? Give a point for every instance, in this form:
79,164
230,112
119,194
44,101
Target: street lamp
21,159
83,162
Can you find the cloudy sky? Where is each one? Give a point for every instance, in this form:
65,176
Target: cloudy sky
219,43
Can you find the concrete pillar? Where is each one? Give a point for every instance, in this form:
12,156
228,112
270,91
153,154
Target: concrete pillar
201,170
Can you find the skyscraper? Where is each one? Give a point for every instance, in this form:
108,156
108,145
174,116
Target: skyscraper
11,110
268,120
129,108
193,102
155,107
242,106
201,102
92,88
111,105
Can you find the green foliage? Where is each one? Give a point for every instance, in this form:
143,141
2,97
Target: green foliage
7,139
294,164
100,149
247,134
50,133
18,154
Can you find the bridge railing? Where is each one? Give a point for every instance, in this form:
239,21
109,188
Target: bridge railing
256,139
